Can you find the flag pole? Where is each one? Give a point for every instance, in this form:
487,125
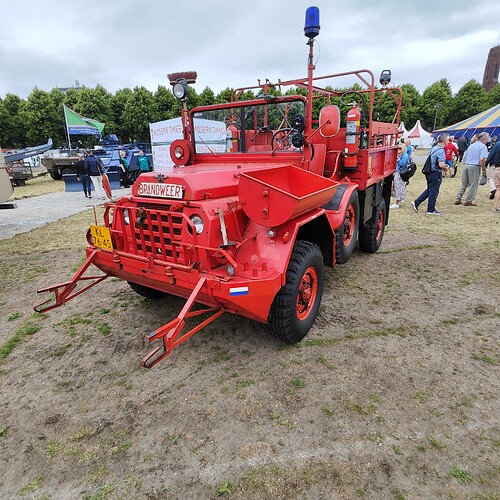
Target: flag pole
67,128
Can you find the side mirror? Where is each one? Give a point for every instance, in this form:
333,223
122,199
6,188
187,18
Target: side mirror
329,121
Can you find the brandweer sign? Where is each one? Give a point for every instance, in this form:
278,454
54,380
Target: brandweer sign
160,190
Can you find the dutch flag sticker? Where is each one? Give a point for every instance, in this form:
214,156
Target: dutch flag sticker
240,290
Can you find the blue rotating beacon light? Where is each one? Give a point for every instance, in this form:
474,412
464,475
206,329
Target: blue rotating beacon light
311,28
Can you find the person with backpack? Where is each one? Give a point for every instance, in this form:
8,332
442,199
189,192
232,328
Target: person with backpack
95,168
398,184
437,165
143,162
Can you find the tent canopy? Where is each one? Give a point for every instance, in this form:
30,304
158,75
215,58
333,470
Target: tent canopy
487,121
419,137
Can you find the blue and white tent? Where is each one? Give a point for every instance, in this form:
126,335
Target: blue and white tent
487,121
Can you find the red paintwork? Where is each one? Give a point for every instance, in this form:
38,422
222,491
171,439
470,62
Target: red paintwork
255,203
308,290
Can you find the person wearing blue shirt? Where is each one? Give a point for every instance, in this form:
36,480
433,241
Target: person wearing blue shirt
409,149
475,163
434,177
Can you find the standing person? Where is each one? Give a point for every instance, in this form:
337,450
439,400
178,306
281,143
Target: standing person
475,163
124,169
462,147
493,161
450,150
398,184
434,177
143,162
409,149
83,177
93,166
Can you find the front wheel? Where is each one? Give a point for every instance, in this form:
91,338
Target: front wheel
56,175
372,233
296,305
347,233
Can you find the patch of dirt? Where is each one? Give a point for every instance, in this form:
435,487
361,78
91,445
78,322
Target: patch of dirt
393,393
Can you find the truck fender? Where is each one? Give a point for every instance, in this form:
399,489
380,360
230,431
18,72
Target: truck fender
315,228
337,206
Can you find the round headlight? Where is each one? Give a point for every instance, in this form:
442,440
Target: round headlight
180,90
178,152
198,223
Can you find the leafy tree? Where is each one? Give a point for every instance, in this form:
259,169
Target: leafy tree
139,112
40,117
118,103
224,96
470,100
71,97
13,128
411,104
96,104
206,97
436,104
165,103
58,133
494,96
3,122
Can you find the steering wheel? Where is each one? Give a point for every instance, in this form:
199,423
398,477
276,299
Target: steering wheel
282,139
351,92
232,119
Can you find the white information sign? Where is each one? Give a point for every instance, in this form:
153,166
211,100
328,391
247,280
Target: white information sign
162,135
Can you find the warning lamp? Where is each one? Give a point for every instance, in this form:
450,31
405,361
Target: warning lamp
311,28
385,77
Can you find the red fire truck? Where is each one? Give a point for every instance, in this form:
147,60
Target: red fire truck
264,193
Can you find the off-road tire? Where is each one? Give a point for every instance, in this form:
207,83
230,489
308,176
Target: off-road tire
371,234
289,319
347,233
146,291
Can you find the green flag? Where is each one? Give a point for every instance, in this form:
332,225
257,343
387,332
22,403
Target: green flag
79,125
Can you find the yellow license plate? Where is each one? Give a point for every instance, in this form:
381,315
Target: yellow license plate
101,237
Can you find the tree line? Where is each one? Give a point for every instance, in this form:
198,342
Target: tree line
128,112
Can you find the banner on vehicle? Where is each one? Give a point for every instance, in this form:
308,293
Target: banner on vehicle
210,136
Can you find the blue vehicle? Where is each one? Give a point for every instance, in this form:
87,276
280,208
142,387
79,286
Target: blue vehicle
61,162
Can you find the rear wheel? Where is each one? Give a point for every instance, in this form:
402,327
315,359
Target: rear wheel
296,305
146,291
346,234
372,233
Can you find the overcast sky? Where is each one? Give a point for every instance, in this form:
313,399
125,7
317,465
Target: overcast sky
125,43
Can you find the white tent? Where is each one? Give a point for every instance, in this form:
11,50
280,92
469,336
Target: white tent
402,130
419,137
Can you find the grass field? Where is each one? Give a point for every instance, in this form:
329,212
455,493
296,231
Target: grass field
394,393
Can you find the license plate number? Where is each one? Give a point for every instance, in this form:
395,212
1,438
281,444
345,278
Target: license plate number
101,237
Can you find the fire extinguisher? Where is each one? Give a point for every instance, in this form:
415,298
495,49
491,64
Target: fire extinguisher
351,137
231,139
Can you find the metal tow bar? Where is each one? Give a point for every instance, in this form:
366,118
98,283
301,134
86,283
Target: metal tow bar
63,291
169,333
